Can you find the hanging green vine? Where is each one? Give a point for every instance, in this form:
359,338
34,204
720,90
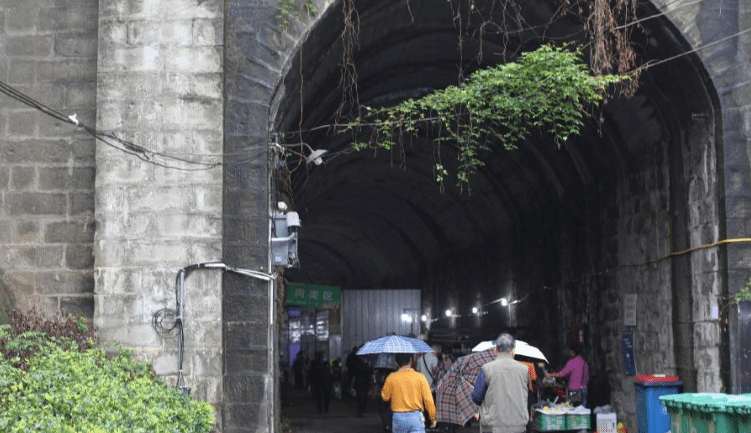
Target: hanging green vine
548,89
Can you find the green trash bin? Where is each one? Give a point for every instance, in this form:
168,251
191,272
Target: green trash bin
709,412
739,407
712,416
677,405
696,412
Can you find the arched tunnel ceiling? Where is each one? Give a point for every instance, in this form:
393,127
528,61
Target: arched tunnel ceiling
372,218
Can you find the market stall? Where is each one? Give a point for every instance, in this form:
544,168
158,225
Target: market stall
561,417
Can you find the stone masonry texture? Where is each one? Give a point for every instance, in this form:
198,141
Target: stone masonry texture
48,51
159,81
89,229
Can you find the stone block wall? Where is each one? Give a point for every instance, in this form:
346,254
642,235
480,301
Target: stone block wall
47,51
159,206
704,25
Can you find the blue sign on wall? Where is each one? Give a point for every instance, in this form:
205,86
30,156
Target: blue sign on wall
629,362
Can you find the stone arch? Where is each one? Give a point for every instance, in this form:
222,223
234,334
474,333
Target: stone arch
656,162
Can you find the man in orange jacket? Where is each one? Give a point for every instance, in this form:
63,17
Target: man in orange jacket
410,396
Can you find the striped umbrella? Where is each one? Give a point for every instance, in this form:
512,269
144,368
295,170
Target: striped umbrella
394,344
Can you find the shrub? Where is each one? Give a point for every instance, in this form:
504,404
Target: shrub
61,386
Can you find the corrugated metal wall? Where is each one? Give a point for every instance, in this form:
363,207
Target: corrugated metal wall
369,314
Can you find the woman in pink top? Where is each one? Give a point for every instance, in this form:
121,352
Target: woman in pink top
577,371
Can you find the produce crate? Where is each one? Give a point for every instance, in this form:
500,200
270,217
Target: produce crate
544,421
607,423
578,421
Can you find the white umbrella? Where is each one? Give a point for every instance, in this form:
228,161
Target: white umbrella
483,345
522,348
525,349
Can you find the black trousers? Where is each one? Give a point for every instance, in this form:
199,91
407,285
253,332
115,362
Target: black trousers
362,400
323,398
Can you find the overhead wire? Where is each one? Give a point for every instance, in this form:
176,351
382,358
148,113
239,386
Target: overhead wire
129,147
149,156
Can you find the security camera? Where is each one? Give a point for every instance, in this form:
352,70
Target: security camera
282,206
293,221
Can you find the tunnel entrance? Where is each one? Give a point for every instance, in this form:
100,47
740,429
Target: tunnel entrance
549,240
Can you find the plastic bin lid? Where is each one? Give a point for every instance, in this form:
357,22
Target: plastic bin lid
739,404
656,378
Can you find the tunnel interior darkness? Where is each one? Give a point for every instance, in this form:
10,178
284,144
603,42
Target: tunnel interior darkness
379,220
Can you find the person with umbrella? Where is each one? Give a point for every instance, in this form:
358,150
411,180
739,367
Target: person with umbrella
501,391
454,405
410,396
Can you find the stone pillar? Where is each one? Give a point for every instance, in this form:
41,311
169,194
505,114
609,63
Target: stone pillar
252,71
48,52
159,205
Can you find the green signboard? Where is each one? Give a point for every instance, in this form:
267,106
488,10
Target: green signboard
311,295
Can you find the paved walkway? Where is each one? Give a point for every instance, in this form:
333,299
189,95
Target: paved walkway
302,417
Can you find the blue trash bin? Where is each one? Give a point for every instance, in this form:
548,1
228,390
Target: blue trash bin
652,415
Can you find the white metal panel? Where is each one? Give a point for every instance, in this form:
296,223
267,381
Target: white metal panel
369,314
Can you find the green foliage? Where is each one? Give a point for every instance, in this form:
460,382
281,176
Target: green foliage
286,9
64,389
32,332
548,89
6,301
744,294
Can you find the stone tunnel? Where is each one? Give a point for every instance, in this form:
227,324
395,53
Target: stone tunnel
650,202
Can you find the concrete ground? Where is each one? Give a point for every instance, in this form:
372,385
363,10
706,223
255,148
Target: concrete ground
301,416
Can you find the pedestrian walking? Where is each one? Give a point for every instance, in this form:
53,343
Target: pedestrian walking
501,391
409,394
321,383
363,382
350,363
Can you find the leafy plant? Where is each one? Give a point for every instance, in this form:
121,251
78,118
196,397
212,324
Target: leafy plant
31,332
63,387
6,300
743,294
548,89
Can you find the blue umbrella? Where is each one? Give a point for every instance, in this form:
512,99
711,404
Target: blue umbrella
394,344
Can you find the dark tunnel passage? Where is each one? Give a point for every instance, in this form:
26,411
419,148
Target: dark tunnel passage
540,224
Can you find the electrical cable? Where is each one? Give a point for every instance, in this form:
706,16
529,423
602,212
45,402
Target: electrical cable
167,321
125,146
